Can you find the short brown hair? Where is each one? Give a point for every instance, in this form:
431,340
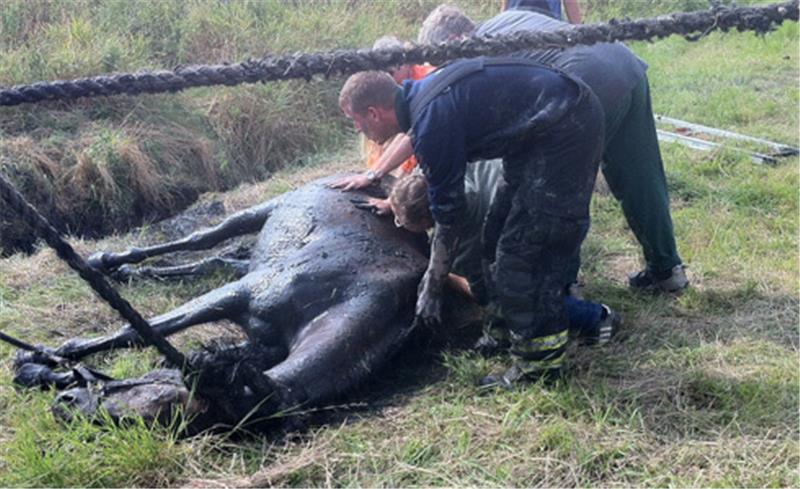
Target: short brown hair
368,89
409,200
445,22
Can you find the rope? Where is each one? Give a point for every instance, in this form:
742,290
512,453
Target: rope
44,230
692,25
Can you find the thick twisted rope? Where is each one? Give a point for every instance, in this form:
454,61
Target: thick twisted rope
44,230
343,62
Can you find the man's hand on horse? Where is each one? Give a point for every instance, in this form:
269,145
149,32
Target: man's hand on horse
428,312
352,182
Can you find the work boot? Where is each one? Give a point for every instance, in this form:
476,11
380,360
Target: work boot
495,340
534,359
608,326
672,281
515,376
488,346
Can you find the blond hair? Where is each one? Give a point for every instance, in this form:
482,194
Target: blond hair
409,200
367,89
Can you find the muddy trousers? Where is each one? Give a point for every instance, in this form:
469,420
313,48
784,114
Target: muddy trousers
583,318
530,279
547,194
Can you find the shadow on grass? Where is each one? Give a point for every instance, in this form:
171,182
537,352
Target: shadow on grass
703,314
679,365
699,363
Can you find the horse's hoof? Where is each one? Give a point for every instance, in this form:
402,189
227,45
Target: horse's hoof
42,356
37,375
122,274
99,261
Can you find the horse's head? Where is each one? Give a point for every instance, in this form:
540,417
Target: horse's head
157,396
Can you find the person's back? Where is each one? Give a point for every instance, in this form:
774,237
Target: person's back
632,162
496,111
611,70
499,103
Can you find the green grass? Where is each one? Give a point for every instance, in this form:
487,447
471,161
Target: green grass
700,390
47,454
102,166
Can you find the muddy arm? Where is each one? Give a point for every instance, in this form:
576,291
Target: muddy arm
429,292
243,222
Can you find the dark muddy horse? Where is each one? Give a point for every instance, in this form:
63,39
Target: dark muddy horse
325,300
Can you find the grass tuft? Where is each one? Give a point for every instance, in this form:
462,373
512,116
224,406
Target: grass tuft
47,454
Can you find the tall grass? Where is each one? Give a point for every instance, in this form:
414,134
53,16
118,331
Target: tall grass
87,454
103,165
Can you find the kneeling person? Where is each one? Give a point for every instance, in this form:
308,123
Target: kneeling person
589,322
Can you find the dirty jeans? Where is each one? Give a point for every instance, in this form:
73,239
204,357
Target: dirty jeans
548,188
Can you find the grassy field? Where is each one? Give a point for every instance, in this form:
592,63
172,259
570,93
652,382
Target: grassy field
104,165
700,390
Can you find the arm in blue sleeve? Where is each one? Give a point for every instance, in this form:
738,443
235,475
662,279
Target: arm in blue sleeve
440,147
441,152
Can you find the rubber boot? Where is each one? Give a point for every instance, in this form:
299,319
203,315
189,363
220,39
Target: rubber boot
538,358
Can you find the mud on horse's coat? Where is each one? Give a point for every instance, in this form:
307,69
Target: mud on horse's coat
326,298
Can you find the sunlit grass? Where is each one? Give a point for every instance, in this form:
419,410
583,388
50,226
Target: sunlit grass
699,390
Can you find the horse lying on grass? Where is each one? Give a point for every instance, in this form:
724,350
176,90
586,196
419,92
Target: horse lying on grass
325,299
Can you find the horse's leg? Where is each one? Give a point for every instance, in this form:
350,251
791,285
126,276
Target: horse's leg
227,302
243,222
342,346
238,268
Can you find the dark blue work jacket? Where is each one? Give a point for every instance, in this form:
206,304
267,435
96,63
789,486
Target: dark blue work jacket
492,112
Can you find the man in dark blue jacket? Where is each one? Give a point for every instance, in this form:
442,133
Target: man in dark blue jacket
590,322
632,161
548,128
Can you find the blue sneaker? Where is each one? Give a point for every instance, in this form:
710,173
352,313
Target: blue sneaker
608,326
